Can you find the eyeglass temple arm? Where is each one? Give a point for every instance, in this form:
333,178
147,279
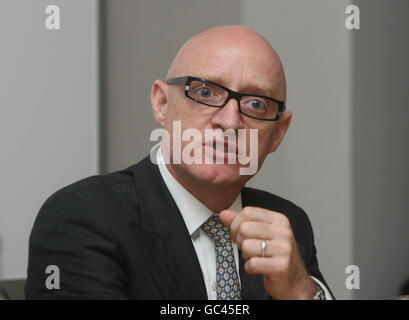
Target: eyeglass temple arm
283,107
180,80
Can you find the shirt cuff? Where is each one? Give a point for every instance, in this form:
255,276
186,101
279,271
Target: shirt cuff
328,295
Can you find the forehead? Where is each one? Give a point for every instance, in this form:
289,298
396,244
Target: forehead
240,68
234,56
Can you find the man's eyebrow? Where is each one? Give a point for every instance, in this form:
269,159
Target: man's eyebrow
250,88
259,90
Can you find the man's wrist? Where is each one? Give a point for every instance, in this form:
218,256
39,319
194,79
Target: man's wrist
307,290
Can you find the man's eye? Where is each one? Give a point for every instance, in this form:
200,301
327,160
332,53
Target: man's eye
205,92
256,104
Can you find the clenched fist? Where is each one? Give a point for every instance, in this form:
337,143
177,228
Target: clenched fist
285,276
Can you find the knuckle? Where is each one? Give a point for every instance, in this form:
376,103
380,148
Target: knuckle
285,233
250,265
286,249
286,246
246,246
281,219
244,229
247,212
285,221
289,235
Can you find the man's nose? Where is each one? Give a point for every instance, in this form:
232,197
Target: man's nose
229,116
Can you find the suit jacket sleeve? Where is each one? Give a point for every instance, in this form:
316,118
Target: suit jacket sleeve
311,262
69,234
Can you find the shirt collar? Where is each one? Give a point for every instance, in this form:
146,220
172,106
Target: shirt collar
194,212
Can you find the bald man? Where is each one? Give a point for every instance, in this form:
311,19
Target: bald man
181,224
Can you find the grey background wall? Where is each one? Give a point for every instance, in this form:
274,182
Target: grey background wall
49,113
380,114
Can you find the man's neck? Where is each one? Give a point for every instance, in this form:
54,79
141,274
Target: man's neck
216,198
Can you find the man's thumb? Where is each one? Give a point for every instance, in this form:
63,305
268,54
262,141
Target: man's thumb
227,217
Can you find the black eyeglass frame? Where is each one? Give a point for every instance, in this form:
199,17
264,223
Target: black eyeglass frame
186,80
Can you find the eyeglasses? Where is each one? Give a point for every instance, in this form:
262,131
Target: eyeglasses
212,94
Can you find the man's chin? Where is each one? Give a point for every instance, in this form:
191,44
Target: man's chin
216,175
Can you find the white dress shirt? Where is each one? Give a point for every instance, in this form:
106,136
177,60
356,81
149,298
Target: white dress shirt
194,214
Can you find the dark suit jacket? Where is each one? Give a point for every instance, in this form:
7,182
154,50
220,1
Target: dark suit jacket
121,235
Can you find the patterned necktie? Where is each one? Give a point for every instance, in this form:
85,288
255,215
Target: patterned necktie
228,286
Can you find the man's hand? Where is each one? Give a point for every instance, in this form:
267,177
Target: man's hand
285,276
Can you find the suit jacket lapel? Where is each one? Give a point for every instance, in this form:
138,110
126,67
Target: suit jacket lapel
169,249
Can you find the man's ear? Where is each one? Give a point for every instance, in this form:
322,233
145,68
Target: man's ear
282,126
159,101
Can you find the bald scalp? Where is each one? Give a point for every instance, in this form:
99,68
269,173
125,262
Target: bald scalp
225,38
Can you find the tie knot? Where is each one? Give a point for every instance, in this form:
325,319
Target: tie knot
215,229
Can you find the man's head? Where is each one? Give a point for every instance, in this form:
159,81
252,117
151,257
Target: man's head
240,59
